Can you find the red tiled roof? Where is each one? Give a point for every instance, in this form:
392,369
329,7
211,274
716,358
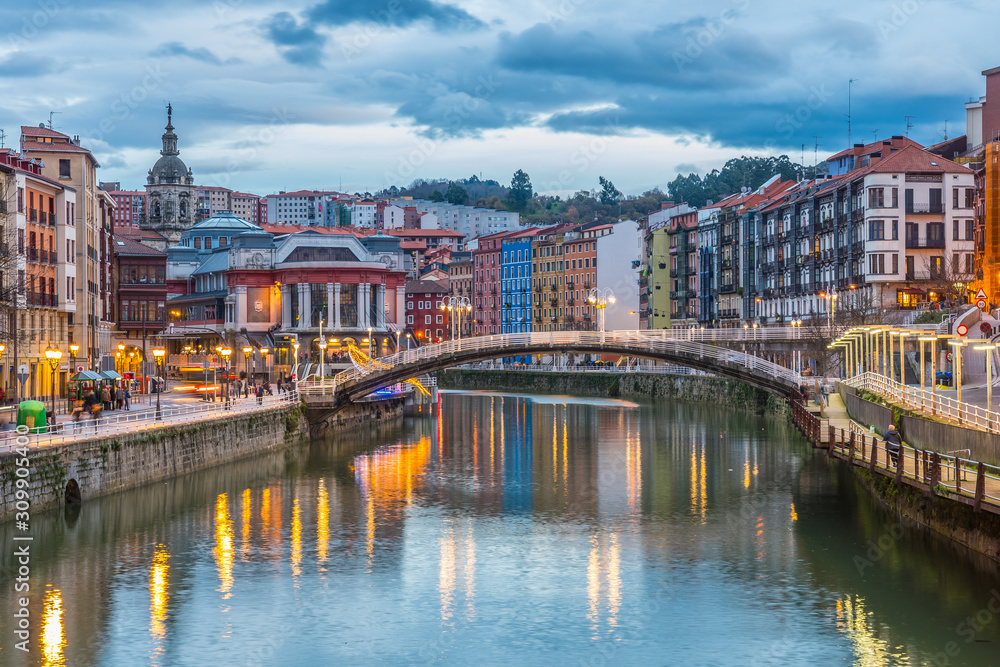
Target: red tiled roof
430,232
913,159
33,131
425,287
136,233
125,245
899,142
413,245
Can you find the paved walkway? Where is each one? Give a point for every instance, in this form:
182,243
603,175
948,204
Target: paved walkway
916,463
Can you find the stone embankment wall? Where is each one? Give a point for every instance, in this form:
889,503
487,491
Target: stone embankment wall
955,520
618,385
106,465
324,421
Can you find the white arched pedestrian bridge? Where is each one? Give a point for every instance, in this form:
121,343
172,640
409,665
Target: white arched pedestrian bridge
661,345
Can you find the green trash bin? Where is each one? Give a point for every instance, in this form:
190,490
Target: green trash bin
32,415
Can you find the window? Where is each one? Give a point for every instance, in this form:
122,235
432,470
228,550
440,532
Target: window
969,229
937,267
954,224
409,305
895,263
876,263
876,230
409,319
970,197
876,198
208,243
968,264
197,242
64,170
427,319
440,319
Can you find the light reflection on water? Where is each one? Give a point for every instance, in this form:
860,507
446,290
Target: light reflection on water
508,530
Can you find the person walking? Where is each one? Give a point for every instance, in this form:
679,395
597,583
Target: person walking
106,397
128,398
893,443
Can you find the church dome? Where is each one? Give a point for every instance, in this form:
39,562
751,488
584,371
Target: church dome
169,169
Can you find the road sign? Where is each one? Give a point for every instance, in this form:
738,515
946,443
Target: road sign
947,356
986,327
981,294
962,330
23,377
981,304
22,369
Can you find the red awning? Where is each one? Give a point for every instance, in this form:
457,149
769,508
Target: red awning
913,290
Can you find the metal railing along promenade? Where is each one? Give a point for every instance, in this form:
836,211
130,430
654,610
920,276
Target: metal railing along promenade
127,423
661,369
661,343
970,482
928,402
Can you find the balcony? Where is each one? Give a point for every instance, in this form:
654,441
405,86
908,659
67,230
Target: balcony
32,253
41,299
924,243
727,264
32,215
924,208
727,288
43,217
673,273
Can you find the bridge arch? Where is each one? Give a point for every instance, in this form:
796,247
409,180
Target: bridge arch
355,383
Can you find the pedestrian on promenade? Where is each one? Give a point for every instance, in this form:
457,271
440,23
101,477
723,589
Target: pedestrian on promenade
280,380
128,398
893,443
106,397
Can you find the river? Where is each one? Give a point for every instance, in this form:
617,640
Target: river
510,529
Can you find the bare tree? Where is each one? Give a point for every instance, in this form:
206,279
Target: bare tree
11,291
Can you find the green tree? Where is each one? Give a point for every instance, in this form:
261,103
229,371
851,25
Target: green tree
436,196
609,193
520,191
456,194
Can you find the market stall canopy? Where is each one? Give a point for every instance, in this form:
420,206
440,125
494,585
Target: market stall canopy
110,375
86,375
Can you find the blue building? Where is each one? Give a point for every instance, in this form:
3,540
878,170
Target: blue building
515,289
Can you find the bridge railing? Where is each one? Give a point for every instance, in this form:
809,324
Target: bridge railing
665,369
928,402
621,342
125,423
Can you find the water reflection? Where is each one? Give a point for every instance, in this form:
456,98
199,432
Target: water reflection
158,600
223,545
506,530
53,635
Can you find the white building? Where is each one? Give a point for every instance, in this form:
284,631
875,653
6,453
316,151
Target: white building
617,257
469,221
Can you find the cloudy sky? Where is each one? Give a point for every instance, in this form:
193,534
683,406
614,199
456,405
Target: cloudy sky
363,94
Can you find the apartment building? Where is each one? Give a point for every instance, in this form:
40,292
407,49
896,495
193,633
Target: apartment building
89,224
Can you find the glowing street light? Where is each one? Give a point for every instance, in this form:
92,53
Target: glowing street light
158,357
53,356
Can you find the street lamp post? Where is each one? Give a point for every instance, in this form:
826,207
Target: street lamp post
370,343
322,359
601,299
226,353
458,305
53,356
158,355
295,370
267,370
73,349
2,348
247,351
956,375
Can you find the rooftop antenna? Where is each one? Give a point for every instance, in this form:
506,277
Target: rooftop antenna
875,132
802,164
946,130
815,155
3,135
52,113
909,125
850,84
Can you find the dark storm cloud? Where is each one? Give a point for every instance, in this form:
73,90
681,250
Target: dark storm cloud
299,44
670,55
394,13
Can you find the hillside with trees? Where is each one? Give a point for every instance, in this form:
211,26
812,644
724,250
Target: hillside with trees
605,203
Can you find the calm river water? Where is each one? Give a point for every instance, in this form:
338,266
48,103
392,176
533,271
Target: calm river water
529,530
